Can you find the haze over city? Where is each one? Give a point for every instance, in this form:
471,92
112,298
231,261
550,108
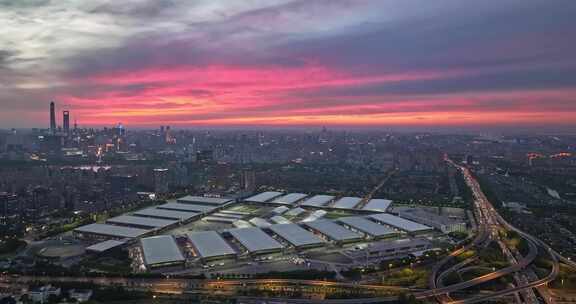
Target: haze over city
442,64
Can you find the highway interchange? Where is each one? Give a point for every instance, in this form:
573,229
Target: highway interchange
489,224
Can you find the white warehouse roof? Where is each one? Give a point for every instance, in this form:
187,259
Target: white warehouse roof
149,223
210,244
295,211
219,219
333,230
228,215
242,224
400,223
234,212
318,200
259,222
296,235
161,249
255,240
190,199
165,214
112,231
347,202
278,219
185,207
280,209
263,197
315,216
377,204
367,226
290,199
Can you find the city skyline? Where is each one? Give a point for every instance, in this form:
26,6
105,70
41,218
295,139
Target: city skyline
289,63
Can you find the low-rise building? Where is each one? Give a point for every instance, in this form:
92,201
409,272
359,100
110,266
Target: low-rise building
440,222
390,249
209,245
161,251
331,231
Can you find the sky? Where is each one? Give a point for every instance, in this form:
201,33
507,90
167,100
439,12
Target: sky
278,63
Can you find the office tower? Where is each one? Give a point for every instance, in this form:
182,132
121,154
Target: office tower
9,208
52,118
66,121
40,203
169,139
161,182
248,180
205,156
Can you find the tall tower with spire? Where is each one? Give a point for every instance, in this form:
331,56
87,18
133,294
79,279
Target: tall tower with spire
66,121
52,118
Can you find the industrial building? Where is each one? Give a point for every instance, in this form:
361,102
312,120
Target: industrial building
294,211
400,223
289,199
391,249
186,207
161,251
318,201
440,222
259,222
104,246
241,213
297,236
209,245
367,227
316,215
141,222
280,210
263,197
105,231
347,202
278,219
218,219
377,204
255,241
334,232
242,224
228,215
202,200
166,214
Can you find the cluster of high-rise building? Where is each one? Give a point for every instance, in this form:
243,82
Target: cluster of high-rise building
65,121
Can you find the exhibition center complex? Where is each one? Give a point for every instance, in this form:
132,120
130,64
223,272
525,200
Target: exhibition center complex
195,230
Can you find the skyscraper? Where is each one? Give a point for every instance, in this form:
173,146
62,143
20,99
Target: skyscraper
161,181
66,121
52,118
248,180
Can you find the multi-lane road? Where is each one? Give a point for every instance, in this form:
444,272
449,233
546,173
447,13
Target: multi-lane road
490,221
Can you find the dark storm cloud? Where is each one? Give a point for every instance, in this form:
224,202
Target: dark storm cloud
534,32
516,80
522,35
5,56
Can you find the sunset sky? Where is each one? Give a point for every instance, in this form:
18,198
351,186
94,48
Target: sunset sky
186,63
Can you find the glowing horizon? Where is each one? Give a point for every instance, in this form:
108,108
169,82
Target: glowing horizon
289,63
